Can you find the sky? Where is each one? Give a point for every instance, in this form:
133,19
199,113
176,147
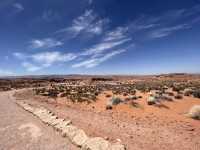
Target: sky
39,37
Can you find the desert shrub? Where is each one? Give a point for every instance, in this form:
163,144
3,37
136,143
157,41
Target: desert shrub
108,95
166,98
108,107
63,94
169,93
52,93
188,92
134,104
196,93
131,98
133,92
96,93
177,88
195,112
125,94
178,96
113,101
159,92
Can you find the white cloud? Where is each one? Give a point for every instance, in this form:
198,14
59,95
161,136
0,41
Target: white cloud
96,61
31,67
19,55
18,6
163,32
88,23
38,61
101,47
117,34
48,58
45,43
90,2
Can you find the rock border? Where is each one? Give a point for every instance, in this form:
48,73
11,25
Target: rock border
75,135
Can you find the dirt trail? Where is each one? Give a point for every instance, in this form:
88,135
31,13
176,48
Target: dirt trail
19,130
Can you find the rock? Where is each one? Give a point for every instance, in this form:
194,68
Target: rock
151,100
96,143
56,121
79,138
117,146
69,131
61,125
195,112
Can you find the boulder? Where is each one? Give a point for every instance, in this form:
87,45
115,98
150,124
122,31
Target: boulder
61,125
151,100
195,112
79,138
96,143
69,131
117,146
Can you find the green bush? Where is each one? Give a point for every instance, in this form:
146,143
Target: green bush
196,93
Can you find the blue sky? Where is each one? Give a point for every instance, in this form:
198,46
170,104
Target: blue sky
99,37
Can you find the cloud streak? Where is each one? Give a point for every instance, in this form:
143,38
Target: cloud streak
90,63
166,31
45,43
19,7
38,61
88,22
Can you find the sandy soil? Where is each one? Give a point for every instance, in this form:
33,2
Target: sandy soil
140,128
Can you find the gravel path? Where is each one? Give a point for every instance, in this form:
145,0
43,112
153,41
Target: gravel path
20,130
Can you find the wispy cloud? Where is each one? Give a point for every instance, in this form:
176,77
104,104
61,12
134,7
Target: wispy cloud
166,31
90,2
89,22
31,67
38,61
45,43
102,47
19,7
49,58
96,61
116,34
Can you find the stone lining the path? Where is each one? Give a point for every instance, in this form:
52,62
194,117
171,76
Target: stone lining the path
74,134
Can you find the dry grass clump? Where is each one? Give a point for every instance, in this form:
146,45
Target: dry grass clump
195,112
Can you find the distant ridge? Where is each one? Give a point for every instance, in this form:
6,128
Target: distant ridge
90,76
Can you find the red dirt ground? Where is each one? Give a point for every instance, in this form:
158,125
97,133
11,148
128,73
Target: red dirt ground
139,128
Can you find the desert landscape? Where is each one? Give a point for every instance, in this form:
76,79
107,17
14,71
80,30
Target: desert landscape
136,112
99,75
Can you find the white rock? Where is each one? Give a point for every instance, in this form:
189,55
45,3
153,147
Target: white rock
195,112
60,126
79,138
96,143
69,131
117,146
